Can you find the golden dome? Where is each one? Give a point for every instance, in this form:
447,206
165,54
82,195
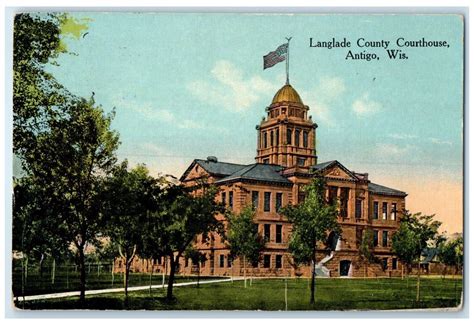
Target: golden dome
287,94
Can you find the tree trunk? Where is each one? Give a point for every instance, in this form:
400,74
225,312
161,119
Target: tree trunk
418,284
151,276
199,274
402,270
53,271
82,267
366,272
41,265
169,294
113,266
127,274
245,278
313,280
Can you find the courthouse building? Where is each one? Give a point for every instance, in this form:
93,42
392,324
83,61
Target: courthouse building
286,161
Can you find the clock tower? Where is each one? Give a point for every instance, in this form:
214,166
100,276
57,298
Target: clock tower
287,137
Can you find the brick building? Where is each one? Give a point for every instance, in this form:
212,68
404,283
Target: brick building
286,160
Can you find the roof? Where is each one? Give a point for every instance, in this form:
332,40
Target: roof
287,94
214,168
322,166
380,189
428,255
257,172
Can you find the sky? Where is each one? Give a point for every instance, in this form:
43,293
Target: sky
188,86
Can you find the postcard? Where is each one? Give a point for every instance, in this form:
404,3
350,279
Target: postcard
237,161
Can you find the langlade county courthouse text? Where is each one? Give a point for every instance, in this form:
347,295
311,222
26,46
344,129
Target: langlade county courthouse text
286,161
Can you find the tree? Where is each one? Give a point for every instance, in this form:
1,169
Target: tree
129,197
182,217
243,238
312,220
196,258
366,249
451,253
413,236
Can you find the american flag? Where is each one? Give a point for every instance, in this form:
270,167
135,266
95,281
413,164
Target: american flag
275,57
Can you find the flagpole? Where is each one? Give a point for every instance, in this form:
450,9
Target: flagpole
288,61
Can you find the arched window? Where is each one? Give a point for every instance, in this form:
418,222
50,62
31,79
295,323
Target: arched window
277,137
264,139
271,138
297,138
305,139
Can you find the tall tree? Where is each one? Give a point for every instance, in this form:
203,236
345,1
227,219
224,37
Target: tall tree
243,238
129,197
415,233
197,258
451,253
312,220
183,216
366,249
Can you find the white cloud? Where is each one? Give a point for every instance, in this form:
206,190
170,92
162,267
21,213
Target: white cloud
231,90
441,142
322,96
402,136
363,106
391,150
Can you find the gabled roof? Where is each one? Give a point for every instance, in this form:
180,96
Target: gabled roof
328,164
380,189
257,172
214,168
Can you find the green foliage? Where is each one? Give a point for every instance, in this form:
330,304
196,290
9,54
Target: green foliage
129,196
366,247
242,235
451,252
312,220
182,216
415,233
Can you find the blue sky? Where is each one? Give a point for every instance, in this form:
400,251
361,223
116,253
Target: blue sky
187,86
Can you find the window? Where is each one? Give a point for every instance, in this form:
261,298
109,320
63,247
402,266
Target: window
384,238
278,201
332,194
271,138
376,238
223,198
255,199
221,260
278,233
393,215
394,263
384,263
277,137
305,139
376,210
358,209
265,139
358,235
289,135
301,161
344,198
278,261
266,232
297,138
266,201
229,261
231,199
266,261
384,210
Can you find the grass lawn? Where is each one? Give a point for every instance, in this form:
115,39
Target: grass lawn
269,294
69,281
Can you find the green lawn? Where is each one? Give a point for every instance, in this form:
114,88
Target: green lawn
68,280
268,294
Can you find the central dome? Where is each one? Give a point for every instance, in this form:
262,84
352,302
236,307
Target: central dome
287,94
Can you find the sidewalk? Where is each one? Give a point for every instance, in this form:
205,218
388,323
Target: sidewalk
99,291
